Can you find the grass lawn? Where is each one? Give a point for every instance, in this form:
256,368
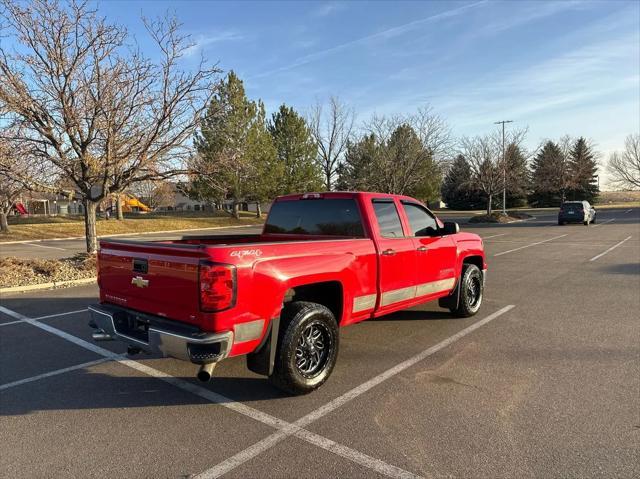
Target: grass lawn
32,228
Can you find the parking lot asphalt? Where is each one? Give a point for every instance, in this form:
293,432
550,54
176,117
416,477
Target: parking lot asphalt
543,382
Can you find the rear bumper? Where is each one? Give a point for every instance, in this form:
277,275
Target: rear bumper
159,336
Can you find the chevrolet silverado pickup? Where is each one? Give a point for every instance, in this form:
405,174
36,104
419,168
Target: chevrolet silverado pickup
323,260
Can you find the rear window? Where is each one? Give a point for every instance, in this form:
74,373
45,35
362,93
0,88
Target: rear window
333,217
571,206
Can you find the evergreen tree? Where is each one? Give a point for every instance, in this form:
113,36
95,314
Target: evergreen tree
517,176
358,171
235,153
457,188
296,151
549,175
583,170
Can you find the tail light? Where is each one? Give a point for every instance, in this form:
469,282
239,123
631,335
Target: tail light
217,286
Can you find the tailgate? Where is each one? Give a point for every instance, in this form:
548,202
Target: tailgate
154,278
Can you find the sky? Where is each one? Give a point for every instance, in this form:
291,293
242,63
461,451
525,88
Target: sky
556,67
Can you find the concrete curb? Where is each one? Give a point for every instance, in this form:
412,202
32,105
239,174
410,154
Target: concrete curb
127,234
55,284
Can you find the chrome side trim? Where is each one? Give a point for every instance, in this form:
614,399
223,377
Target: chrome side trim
362,303
397,295
435,286
248,331
423,289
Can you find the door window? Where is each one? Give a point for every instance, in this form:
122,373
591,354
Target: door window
421,222
388,219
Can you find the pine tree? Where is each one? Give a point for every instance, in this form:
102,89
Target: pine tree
457,187
517,176
549,175
359,170
296,151
235,154
583,171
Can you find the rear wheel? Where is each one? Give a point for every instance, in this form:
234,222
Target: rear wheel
471,292
307,347
586,223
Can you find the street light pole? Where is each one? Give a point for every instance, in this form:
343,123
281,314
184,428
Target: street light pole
504,168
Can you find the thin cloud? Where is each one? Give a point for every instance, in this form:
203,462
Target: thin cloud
202,41
329,8
383,35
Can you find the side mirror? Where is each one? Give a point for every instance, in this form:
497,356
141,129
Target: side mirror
450,228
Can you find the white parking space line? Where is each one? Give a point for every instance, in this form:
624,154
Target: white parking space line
61,314
52,373
629,211
261,446
610,249
604,222
530,245
43,246
11,322
285,428
493,236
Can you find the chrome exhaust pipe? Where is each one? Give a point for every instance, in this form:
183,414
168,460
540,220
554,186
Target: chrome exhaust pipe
100,335
205,372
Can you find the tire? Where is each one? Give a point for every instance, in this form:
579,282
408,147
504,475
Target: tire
586,223
471,293
560,223
294,371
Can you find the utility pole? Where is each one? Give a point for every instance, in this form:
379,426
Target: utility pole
504,168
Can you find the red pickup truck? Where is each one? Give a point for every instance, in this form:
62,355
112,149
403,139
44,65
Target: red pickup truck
323,260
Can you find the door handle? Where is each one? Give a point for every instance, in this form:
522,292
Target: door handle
389,252
422,248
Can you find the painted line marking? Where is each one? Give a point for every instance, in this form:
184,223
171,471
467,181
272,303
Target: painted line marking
629,210
529,245
604,222
493,236
263,445
43,246
285,429
52,373
11,322
61,314
610,249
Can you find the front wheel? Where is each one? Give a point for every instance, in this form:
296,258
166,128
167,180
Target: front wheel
471,292
307,347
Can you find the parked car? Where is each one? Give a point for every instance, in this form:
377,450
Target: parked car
324,260
576,212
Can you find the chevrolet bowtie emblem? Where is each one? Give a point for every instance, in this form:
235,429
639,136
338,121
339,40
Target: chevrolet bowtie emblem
140,282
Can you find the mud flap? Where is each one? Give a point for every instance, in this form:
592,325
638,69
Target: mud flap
453,300
262,359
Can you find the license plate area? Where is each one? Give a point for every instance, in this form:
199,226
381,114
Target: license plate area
132,325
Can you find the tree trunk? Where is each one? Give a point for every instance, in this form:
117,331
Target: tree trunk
90,225
236,210
258,210
119,213
4,225
489,199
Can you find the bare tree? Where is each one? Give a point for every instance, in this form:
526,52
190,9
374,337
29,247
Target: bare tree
155,193
331,129
624,167
20,172
484,154
410,153
100,112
